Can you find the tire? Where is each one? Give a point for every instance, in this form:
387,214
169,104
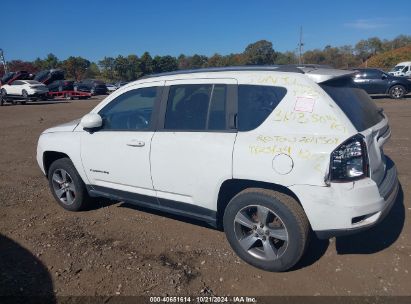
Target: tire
23,102
67,96
397,91
67,186
3,95
276,245
25,95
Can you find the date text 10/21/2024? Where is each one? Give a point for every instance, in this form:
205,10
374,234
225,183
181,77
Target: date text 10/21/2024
203,299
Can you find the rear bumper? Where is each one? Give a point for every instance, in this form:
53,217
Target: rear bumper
326,234
348,208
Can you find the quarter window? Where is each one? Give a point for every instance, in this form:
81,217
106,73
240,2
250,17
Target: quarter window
130,111
255,104
196,107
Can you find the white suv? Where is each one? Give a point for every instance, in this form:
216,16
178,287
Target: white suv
266,153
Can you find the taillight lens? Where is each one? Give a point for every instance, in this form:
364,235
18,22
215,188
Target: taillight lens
349,161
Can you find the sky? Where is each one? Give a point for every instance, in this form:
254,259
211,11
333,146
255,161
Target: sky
94,29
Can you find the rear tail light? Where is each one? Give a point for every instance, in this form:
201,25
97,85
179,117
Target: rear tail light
349,161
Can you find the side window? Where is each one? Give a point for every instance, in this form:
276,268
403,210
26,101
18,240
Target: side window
130,111
17,82
405,70
196,107
374,74
255,104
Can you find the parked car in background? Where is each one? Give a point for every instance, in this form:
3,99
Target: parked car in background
49,76
12,76
375,81
25,90
119,84
111,87
93,86
61,85
237,148
402,69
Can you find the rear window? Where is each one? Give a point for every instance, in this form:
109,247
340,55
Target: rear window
255,104
355,103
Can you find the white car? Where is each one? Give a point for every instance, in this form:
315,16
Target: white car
111,87
266,153
25,90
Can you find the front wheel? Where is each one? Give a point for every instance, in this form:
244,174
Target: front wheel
397,92
3,95
67,186
267,229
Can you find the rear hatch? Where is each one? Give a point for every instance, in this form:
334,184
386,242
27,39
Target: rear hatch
366,117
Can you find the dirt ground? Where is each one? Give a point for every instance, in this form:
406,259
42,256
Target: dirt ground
117,249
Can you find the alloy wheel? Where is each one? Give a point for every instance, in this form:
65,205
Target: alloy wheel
261,232
398,92
63,186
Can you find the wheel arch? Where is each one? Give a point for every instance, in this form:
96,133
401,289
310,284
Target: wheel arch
232,187
395,84
51,156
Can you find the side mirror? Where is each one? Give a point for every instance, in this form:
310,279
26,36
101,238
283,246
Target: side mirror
384,76
91,121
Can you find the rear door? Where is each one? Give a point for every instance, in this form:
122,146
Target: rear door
191,151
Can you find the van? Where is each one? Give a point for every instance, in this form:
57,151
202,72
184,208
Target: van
402,69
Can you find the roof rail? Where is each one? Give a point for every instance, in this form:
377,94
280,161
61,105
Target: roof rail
277,68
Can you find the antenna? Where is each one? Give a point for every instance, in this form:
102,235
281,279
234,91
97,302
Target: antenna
3,61
300,47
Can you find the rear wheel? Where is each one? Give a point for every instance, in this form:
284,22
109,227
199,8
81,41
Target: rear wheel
25,95
397,92
67,186
267,229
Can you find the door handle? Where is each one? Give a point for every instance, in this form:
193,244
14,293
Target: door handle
136,143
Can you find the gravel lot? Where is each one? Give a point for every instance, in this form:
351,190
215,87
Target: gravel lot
119,249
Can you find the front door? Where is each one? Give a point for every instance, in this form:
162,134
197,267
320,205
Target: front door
191,152
117,157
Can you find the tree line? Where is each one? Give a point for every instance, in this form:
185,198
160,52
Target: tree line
262,52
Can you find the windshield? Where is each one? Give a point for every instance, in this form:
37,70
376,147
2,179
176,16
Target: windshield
355,103
41,76
32,82
8,76
397,68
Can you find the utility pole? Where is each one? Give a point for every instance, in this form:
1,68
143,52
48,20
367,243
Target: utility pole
3,61
300,47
